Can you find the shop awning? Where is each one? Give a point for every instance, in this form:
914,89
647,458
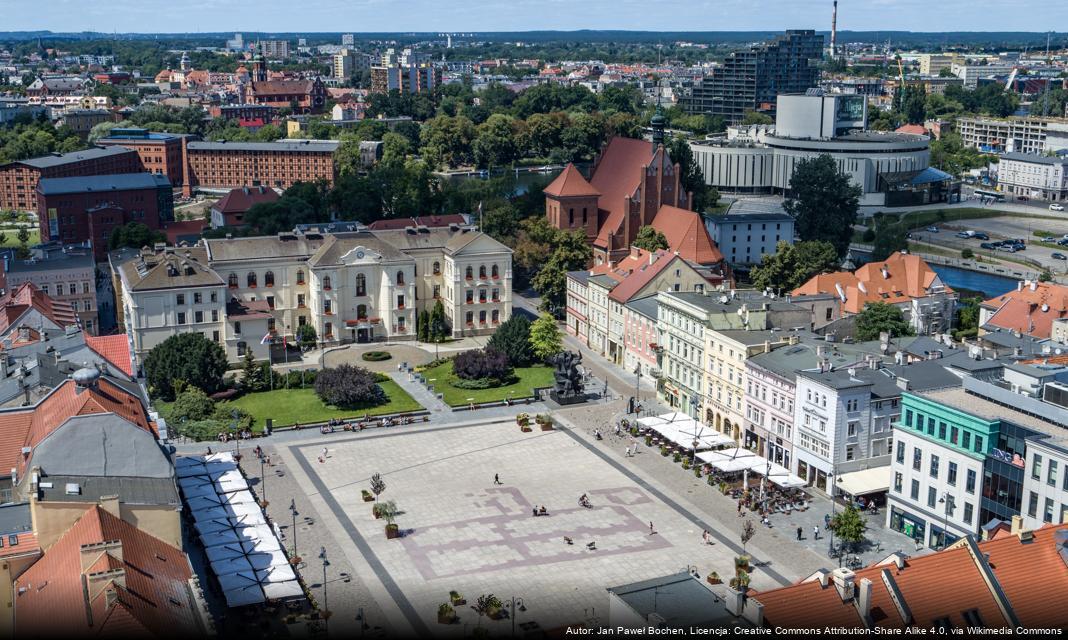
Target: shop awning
859,483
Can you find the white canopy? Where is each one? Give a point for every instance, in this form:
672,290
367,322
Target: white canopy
231,565
282,590
267,559
728,460
225,552
781,476
859,483
241,588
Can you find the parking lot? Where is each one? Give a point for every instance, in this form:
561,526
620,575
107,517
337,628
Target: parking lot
1001,228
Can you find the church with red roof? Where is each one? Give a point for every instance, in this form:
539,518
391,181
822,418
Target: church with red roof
632,184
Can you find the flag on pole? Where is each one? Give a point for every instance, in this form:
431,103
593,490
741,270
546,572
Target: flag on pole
266,338
480,215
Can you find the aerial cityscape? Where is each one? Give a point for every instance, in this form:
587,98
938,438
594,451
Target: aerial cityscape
516,319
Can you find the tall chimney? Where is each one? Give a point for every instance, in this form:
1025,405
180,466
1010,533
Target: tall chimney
834,29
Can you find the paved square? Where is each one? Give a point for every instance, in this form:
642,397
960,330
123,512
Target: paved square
462,532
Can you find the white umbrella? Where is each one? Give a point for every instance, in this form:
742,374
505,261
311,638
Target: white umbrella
282,590
232,565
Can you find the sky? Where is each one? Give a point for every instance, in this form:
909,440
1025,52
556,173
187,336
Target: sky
361,16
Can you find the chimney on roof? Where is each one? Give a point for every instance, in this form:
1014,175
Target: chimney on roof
864,599
1016,526
843,581
1034,285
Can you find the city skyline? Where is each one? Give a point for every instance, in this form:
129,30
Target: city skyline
368,16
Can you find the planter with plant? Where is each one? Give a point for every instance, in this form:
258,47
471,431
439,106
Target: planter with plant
523,419
723,488
677,457
741,564
376,510
740,582
685,463
713,578
545,422
456,598
494,608
388,511
446,614
367,496
648,441
697,471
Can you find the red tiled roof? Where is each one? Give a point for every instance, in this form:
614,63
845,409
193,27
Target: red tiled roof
687,234
115,349
147,593
180,228
1031,575
616,177
26,427
650,265
18,302
1028,311
571,182
911,128
282,87
907,276
241,200
27,544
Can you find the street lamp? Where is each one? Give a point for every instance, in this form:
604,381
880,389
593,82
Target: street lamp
326,601
263,485
833,480
519,602
637,389
293,510
947,501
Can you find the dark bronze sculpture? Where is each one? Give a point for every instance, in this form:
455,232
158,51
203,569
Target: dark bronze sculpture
568,379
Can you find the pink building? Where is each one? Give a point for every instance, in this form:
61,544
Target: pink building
639,335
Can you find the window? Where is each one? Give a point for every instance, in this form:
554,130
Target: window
437,291
470,296
969,481
495,272
328,329
979,444
214,315
495,295
215,336
1032,505
851,429
181,298
932,496
897,482
85,287
951,478
44,288
437,268
198,298
917,458
850,453
270,302
400,278
908,417
300,300
941,430
482,296
934,466
915,492
900,452
327,284
966,439
72,288
1047,512
361,284
1051,474
181,317
237,328
400,324
495,316
968,512
242,347
469,318
400,302
198,316
302,320
469,273
482,317
251,279
300,276
326,307
268,279
482,272
1036,467
953,435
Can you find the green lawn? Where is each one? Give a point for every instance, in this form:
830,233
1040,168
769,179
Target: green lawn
289,406
11,238
527,379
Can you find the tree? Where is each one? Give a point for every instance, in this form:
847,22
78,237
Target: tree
378,485
650,239
545,337
968,318
482,364
23,236
691,177
484,603
755,117
890,236
349,387
571,253
877,317
823,201
252,378
792,265
495,145
192,404
512,339
134,235
188,357
848,525
747,533
306,336
423,329
439,327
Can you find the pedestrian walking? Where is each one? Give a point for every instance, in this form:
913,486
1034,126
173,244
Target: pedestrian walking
324,453
704,536
651,529
496,479
269,460
799,533
815,532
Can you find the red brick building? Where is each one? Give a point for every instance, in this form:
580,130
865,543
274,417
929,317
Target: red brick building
160,153
18,180
230,211
303,96
228,165
89,208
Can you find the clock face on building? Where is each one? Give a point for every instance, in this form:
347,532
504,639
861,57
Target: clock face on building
359,254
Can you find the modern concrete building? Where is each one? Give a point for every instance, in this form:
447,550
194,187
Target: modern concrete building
891,168
1030,135
406,72
971,73
1038,177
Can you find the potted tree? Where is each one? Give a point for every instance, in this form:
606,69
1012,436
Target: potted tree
741,564
482,606
388,510
545,422
378,485
494,607
446,614
376,510
523,420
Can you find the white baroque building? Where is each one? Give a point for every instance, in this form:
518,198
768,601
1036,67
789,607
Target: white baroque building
364,286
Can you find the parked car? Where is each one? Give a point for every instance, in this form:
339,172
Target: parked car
1022,198
1063,242
979,235
932,229
1056,206
987,245
1008,247
964,234
1049,239
1057,255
